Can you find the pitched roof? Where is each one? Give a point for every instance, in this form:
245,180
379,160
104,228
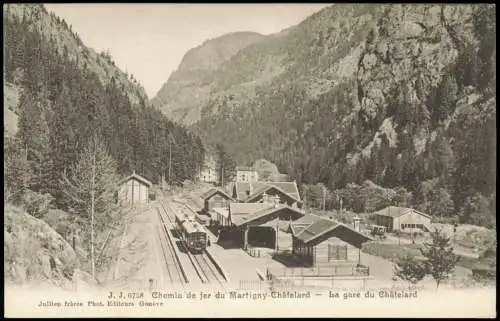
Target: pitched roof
247,208
219,210
298,225
214,191
316,229
136,177
394,211
287,188
239,220
242,188
319,228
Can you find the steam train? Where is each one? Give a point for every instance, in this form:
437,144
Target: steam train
192,233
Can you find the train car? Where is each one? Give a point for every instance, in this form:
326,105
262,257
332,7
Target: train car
194,236
180,218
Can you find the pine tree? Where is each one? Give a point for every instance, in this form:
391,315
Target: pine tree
410,269
91,188
440,259
227,165
17,173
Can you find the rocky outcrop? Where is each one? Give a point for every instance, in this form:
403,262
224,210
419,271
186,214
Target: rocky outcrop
34,252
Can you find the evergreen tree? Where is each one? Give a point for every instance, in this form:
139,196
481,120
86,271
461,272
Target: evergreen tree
227,166
91,189
410,269
440,260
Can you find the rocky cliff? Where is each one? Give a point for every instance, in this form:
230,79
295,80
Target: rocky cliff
398,94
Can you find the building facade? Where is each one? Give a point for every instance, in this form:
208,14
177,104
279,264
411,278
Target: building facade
215,198
256,192
324,242
133,189
246,174
403,219
209,172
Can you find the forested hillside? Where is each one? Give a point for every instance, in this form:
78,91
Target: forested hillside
175,98
78,118
62,101
401,95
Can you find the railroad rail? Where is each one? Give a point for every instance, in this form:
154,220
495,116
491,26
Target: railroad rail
172,261
202,263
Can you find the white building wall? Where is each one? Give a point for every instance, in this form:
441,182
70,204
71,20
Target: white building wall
411,218
133,192
144,198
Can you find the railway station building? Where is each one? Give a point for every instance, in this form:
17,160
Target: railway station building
133,189
318,241
215,198
255,224
255,192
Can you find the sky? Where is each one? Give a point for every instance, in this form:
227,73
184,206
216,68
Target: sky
149,40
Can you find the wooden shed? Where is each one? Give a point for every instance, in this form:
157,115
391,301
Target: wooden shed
402,218
324,242
133,189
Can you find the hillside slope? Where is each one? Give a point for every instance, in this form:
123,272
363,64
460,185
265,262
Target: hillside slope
69,43
176,98
34,252
397,94
59,93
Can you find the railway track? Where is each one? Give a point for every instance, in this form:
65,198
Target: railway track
202,264
210,273
175,273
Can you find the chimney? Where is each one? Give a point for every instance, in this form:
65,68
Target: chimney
250,189
276,201
265,198
357,221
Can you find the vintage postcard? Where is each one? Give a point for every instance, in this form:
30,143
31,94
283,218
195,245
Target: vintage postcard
249,160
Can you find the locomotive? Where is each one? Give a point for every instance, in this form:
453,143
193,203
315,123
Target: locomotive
192,233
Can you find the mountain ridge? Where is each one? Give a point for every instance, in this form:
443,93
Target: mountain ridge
358,92
194,66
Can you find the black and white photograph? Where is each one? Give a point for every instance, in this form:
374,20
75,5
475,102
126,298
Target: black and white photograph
249,160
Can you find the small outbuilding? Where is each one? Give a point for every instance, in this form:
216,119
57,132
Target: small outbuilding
215,198
319,241
133,189
403,219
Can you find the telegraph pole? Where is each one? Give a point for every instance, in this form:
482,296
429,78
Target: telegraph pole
324,197
341,216
169,159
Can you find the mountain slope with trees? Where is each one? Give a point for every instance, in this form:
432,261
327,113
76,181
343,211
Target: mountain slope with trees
62,103
175,98
400,95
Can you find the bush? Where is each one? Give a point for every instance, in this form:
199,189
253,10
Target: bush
60,221
484,273
36,204
392,252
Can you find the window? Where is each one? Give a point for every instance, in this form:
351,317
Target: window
337,252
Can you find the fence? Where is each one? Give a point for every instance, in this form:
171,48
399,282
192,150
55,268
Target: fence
330,271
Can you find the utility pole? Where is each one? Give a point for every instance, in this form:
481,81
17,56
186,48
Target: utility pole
169,159
341,218
305,198
324,197
222,173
